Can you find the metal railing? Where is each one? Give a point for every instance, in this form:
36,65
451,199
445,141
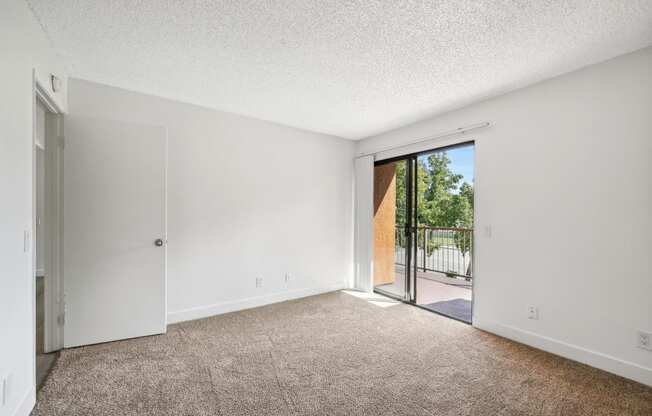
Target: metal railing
439,249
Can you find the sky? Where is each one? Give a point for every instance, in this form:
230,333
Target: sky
462,162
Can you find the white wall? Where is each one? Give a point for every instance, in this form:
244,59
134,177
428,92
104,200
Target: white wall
246,198
23,48
564,179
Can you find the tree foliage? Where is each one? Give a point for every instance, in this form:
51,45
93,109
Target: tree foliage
443,199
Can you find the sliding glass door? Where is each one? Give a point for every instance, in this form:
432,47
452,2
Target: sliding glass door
443,257
423,229
394,228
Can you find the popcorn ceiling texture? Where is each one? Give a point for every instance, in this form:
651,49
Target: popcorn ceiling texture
348,68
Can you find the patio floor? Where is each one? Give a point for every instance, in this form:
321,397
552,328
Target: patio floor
435,291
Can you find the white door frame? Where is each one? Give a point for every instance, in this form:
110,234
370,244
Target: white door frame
53,213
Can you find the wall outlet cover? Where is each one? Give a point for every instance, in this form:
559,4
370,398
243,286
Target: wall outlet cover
644,340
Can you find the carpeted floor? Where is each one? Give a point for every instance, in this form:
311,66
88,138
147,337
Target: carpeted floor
331,354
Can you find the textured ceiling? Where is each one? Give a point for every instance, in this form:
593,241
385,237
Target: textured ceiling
348,68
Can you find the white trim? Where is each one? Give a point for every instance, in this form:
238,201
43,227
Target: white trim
26,405
53,231
165,230
53,331
247,303
32,246
477,221
595,359
43,93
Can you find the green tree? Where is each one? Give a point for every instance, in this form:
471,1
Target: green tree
401,183
467,191
440,207
461,208
441,200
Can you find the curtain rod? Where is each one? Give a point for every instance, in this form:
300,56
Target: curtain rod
459,130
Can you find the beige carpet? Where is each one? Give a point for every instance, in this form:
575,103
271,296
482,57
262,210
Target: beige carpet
332,354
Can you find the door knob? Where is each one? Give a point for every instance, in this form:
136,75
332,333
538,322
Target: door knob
158,242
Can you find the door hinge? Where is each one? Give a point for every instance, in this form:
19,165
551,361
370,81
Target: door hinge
61,319
61,141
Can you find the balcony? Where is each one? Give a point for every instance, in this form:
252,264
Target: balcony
444,269
423,230
441,250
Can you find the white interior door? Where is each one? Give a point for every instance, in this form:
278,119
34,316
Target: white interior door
114,213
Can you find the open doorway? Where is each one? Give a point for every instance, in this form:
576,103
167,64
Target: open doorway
444,231
48,160
423,230
44,360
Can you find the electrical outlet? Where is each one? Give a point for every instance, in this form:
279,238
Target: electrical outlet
644,340
259,282
288,277
533,312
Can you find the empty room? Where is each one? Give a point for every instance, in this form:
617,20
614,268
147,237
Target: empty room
310,207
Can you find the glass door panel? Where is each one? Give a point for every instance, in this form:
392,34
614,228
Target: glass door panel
392,245
423,230
443,249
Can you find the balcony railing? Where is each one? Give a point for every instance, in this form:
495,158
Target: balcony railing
439,249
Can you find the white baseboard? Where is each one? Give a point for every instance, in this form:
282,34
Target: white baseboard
26,405
247,303
595,359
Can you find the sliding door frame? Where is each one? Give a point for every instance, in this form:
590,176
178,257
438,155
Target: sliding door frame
407,228
411,195
411,188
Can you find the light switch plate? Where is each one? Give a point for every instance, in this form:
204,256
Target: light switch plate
4,389
26,241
